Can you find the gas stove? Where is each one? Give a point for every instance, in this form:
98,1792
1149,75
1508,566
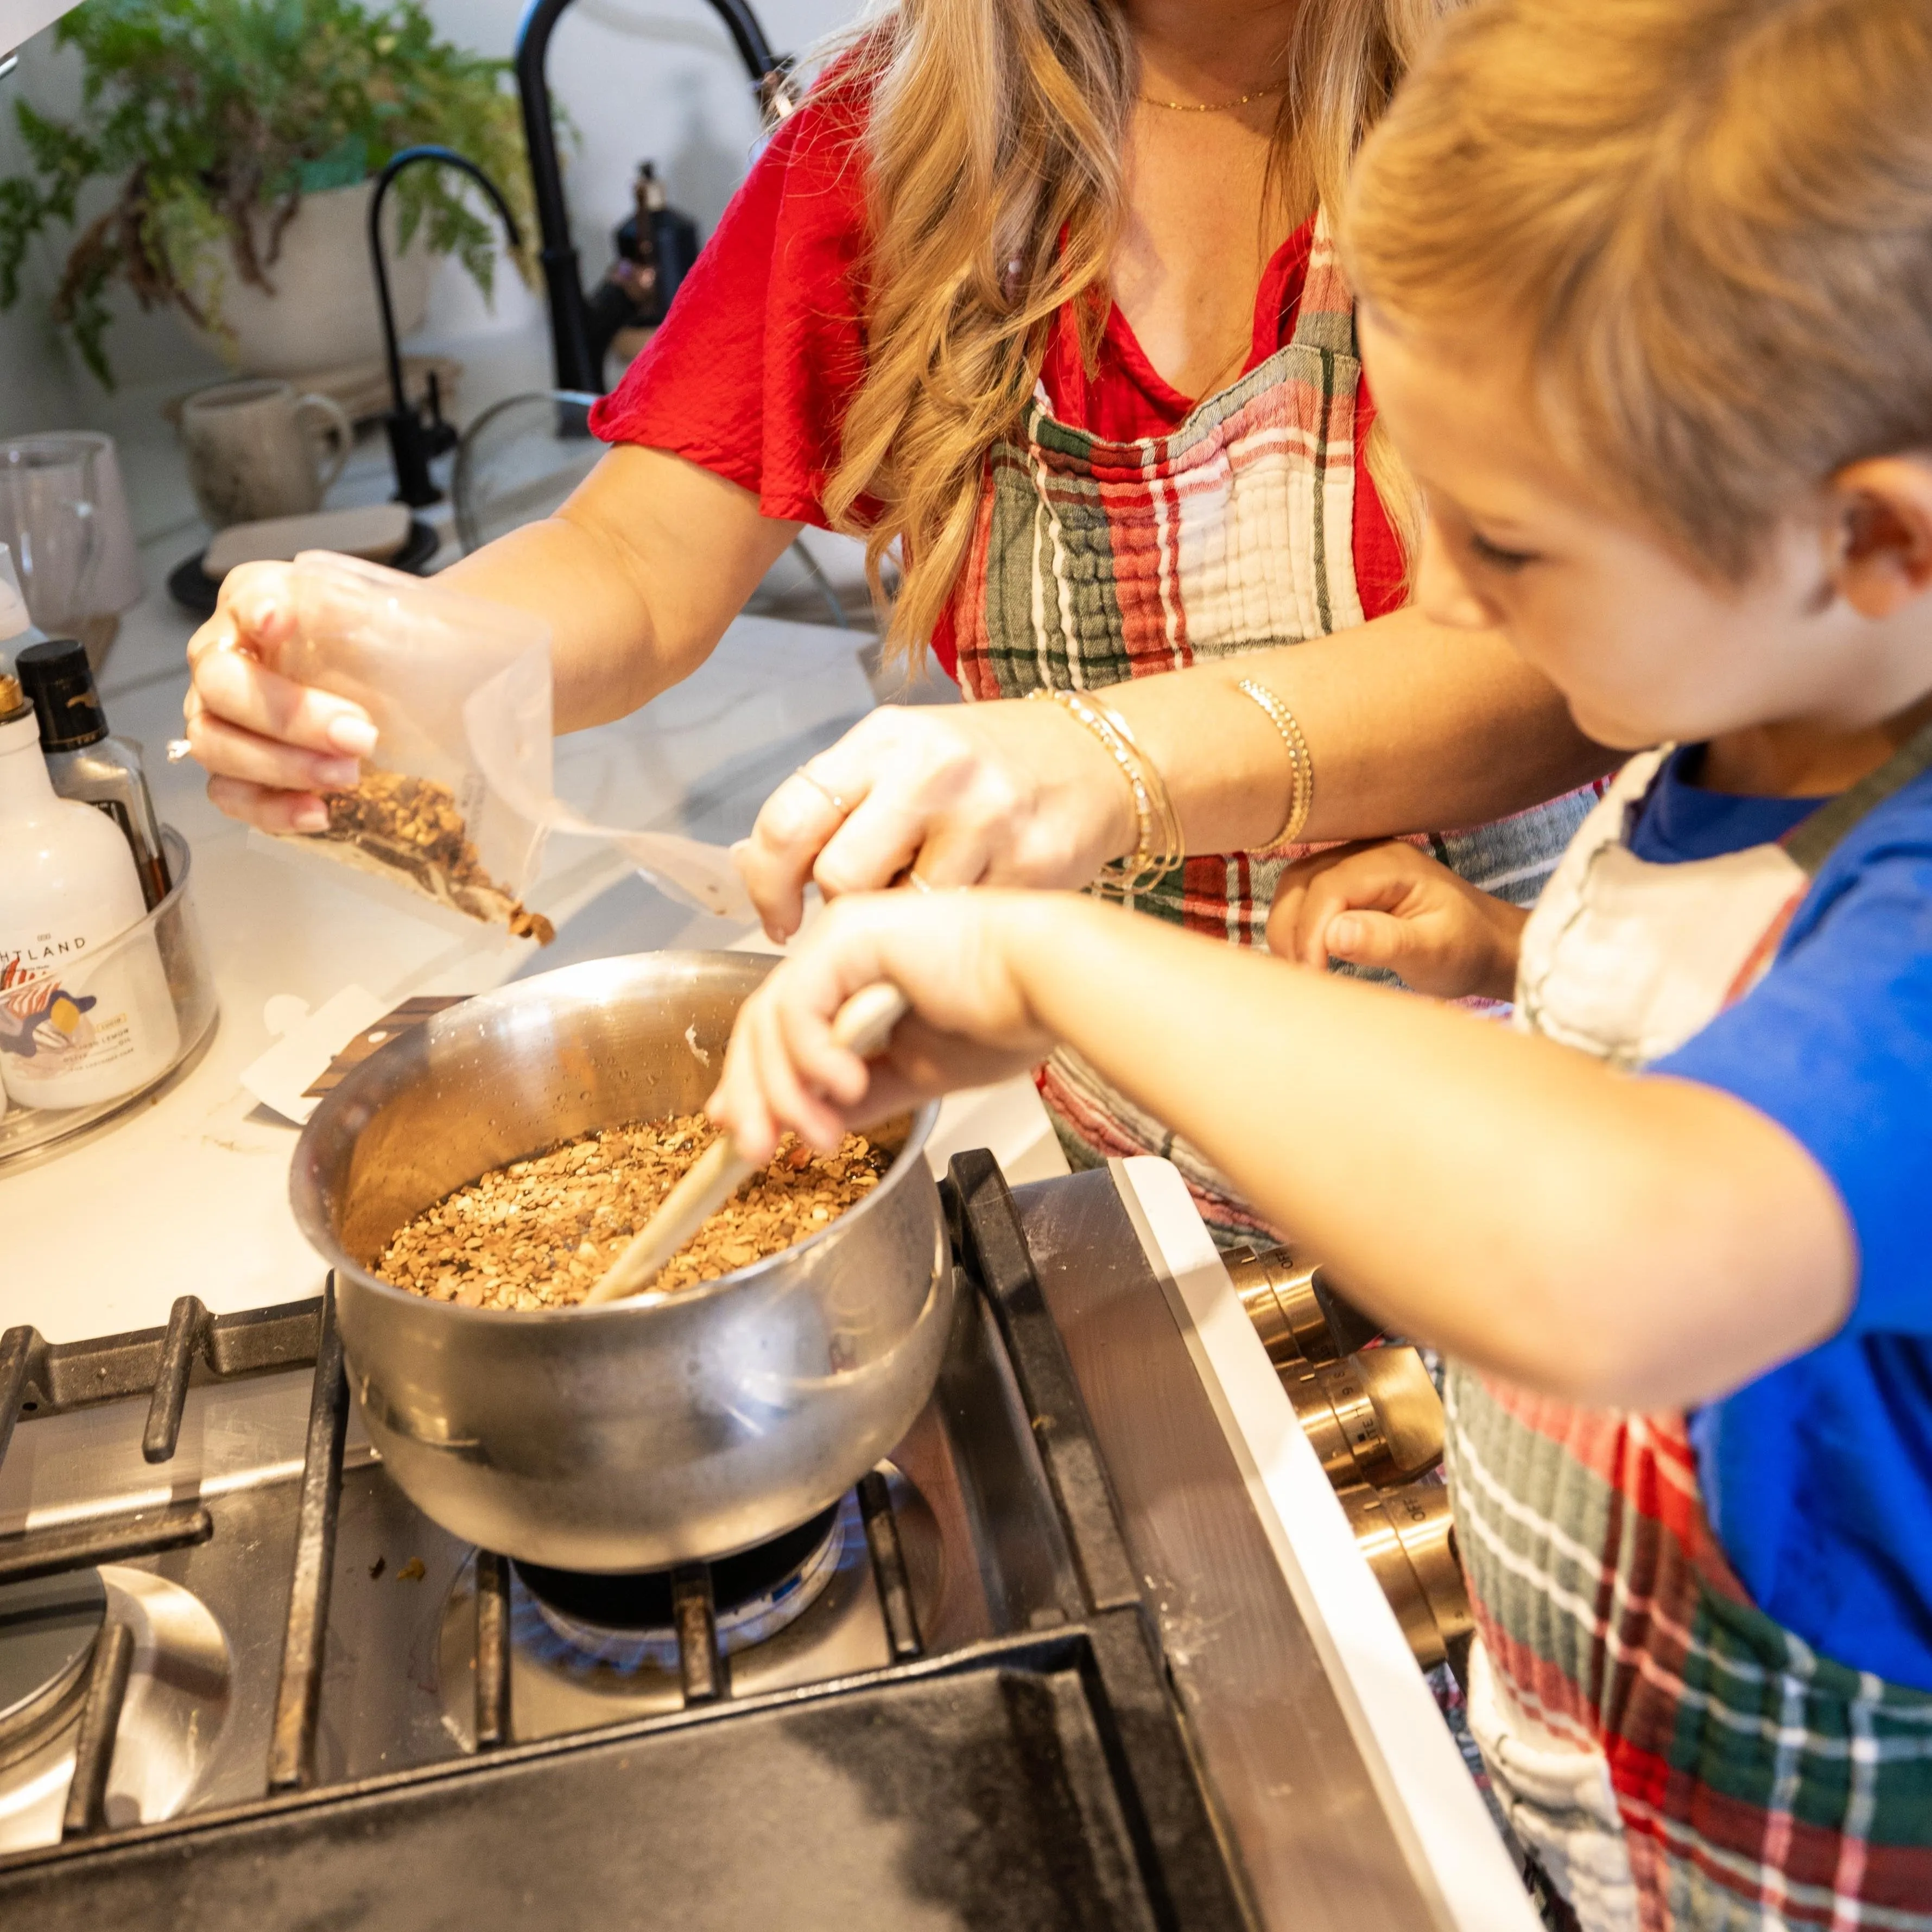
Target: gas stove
1093,1647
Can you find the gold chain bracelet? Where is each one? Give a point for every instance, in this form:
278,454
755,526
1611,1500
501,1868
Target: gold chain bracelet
1301,761
1159,846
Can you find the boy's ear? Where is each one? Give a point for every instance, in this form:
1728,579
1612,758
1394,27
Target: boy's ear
1879,533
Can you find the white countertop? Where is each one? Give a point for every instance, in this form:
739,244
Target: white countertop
188,1194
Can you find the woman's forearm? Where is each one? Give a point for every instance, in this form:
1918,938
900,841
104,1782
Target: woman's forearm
1411,727
638,575
1653,1243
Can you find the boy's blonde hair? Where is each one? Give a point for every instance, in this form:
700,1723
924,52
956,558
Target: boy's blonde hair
1710,221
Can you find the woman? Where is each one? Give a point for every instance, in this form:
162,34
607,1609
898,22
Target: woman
962,306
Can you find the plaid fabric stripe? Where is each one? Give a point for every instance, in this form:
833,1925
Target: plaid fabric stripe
1096,1123
1098,561
1102,561
1761,1785
1095,562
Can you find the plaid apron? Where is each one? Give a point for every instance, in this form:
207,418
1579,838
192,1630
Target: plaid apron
1094,562
1673,1757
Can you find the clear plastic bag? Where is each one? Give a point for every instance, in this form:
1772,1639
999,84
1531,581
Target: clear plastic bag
413,655
458,798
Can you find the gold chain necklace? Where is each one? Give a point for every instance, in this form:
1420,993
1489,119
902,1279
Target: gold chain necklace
1214,106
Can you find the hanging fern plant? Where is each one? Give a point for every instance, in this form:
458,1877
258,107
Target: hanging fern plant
216,117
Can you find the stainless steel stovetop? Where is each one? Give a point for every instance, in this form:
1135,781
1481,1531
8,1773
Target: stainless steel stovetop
1053,1664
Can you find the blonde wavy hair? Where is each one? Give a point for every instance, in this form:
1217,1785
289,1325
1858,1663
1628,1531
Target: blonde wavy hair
1709,223
996,128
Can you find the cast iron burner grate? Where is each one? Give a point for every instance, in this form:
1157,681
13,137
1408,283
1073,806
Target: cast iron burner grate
630,1620
48,1629
1034,1781
38,1377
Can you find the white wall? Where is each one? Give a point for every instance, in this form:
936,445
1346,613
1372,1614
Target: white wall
636,78
647,78
36,392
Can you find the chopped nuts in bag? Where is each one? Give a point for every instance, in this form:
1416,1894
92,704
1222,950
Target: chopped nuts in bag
411,826
414,655
457,800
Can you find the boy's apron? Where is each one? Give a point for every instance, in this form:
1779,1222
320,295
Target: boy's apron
1673,1757
1095,562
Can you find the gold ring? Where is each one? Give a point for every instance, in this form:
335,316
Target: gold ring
824,791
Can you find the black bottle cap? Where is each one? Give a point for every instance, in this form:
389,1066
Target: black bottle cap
57,679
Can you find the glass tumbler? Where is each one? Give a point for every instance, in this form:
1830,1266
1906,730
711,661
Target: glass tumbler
49,520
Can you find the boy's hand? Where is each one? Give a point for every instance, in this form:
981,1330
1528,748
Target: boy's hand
952,954
1391,906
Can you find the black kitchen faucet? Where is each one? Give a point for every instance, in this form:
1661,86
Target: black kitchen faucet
582,327
419,433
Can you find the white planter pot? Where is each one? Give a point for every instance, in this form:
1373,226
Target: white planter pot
323,313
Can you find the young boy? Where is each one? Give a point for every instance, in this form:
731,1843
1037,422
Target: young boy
1647,308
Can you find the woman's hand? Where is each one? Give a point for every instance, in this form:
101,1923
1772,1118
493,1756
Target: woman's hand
997,794
952,954
1393,906
636,575
270,746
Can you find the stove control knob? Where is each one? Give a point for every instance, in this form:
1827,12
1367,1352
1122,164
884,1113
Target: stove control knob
1409,1538
1301,1319
1375,1418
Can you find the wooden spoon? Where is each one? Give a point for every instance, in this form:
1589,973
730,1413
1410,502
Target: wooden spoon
862,1025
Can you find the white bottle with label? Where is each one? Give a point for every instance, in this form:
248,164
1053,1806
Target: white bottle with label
82,1022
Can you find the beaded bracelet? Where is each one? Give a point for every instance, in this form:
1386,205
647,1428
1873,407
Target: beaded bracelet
1301,763
1171,841
1159,846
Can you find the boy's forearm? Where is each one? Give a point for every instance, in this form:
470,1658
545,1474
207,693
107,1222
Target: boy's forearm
1612,1239
1412,727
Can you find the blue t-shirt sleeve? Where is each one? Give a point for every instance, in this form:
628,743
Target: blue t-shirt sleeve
1835,1045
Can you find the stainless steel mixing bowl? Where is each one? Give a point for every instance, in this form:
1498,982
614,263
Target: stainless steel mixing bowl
644,1432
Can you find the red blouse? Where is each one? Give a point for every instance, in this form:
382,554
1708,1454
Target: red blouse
751,373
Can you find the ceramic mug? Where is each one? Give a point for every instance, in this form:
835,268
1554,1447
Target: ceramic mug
250,455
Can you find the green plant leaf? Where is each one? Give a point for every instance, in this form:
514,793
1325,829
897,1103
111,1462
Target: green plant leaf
343,166
214,117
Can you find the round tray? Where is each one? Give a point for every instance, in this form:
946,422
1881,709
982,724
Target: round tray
169,935
195,591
